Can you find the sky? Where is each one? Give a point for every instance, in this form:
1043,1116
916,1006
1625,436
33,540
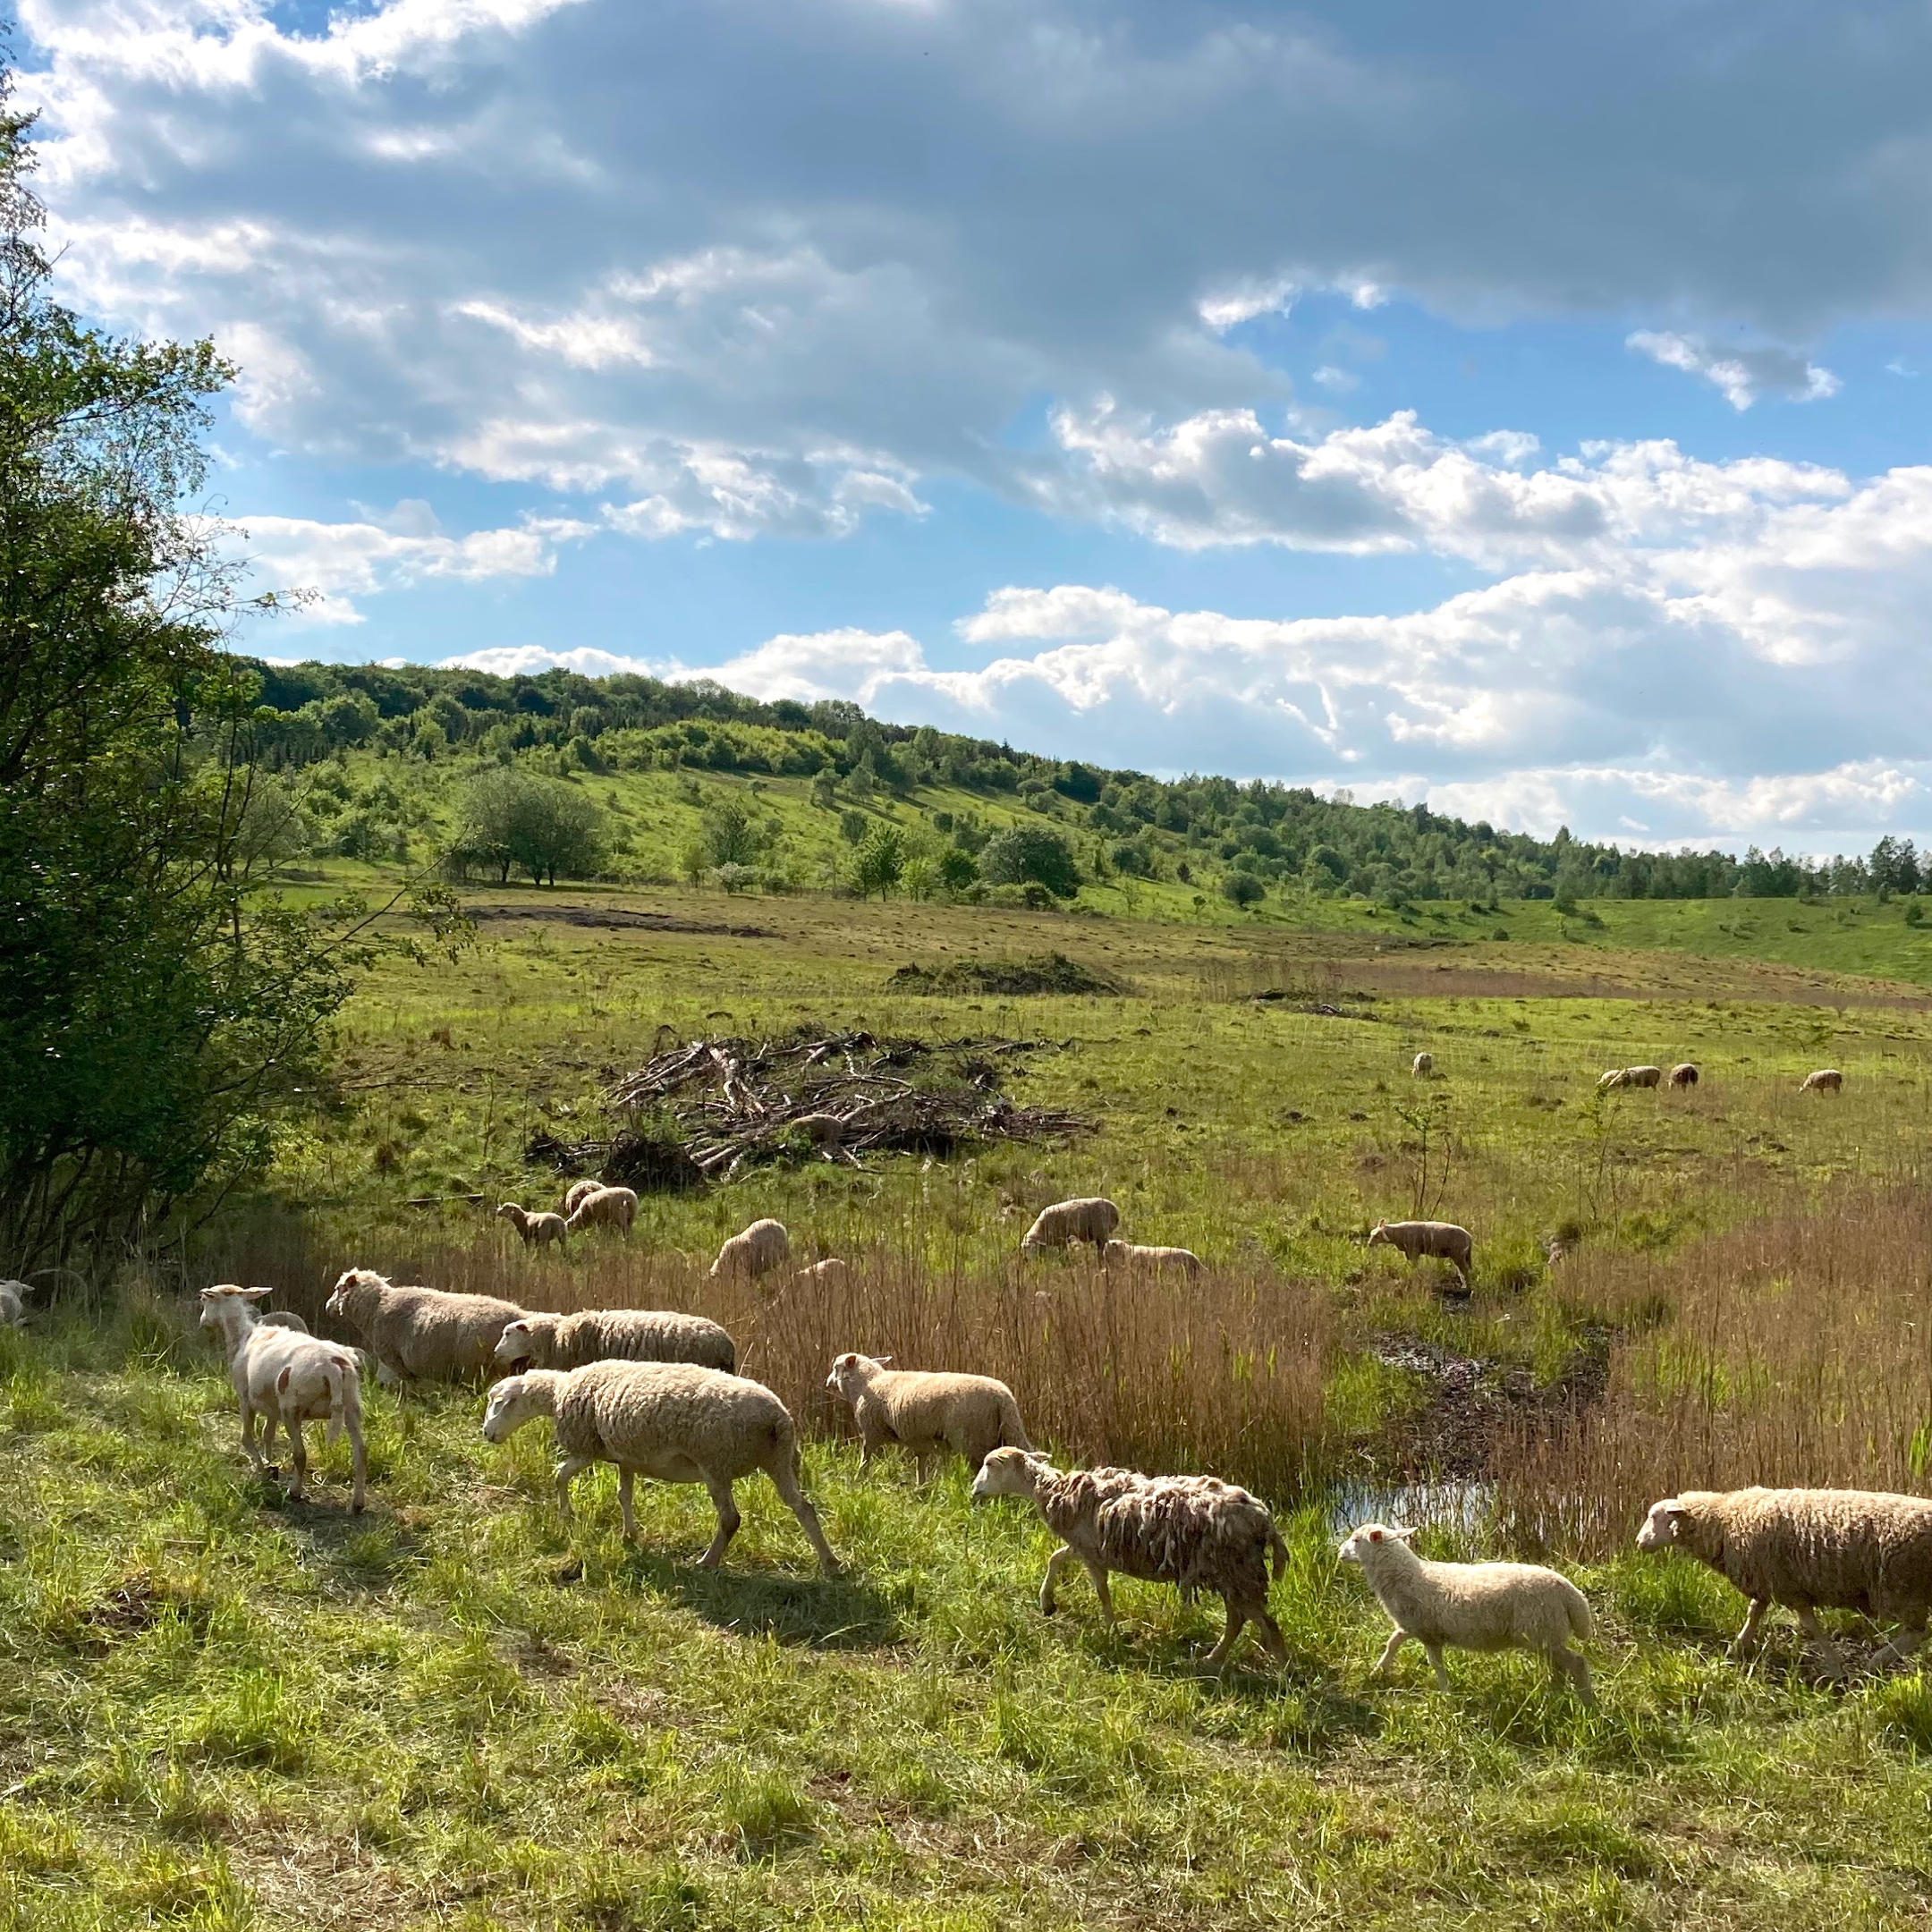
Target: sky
1518,408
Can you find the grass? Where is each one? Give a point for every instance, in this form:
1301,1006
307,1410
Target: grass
221,1710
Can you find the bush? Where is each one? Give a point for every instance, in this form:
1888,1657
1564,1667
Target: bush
1243,888
541,826
1030,854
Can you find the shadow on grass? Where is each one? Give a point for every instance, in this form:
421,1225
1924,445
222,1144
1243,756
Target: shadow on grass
822,1613
366,1554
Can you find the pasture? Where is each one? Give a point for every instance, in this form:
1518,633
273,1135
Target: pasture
221,1710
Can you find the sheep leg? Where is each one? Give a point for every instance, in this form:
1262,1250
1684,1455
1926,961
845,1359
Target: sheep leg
249,1443
358,1460
924,1461
1566,1662
1398,1637
298,1455
1055,1563
1237,1622
727,1521
1808,1622
567,1473
1271,1636
785,1479
1748,1636
1098,1570
1434,1651
625,1477
1909,1639
267,1442
387,1376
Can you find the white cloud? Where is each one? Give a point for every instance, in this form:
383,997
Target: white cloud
1743,375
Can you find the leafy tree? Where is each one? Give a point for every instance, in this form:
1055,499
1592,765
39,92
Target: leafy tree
1036,852
730,836
1243,888
956,869
512,820
853,826
879,861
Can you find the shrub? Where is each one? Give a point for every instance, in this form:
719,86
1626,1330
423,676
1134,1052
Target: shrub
1031,854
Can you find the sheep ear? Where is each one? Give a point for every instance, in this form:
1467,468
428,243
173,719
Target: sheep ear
1403,1536
882,1360
1375,1536
255,1294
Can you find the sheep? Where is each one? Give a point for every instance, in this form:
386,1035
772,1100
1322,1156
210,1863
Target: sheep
673,1421
615,1334
1152,1260
286,1376
1441,1239
1684,1075
1471,1606
608,1207
1425,1065
926,1409
1194,1531
580,1192
1826,1079
281,1318
421,1331
755,1251
1613,1078
14,1303
537,1229
831,1269
1090,1219
1809,1550
1642,1076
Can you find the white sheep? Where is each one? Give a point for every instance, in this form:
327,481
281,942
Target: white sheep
1415,1239
673,1421
1133,1256
926,1409
281,1318
756,1251
1809,1550
1826,1079
580,1191
1643,1076
1684,1075
831,1269
1471,1606
285,1375
1092,1218
1613,1078
608,1207
1194,1531
615,1334
14,1303
421,1331
1425,1065
537,1229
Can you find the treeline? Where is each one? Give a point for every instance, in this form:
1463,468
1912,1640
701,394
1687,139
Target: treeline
1250,840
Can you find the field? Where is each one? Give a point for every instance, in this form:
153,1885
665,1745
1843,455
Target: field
221,1709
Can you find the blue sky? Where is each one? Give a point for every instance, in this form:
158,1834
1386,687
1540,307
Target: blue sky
1520,408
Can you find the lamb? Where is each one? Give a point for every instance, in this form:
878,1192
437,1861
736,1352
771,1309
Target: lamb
1809,1550
1152,1260
1471,1606
580,1192
1441,1239
1425,1065
616,1334
421,1331
537,1229
608,1207
1826,1079
1092,1220
831,1269
287,1377
926,1409
1684,1075
673,1421
14,1303
755,1251
1194,1531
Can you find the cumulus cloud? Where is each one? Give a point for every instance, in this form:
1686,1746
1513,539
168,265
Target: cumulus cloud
1742,375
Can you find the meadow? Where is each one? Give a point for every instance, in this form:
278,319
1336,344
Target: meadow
220,1709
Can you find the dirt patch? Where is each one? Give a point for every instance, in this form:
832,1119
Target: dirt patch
1044,973
615,918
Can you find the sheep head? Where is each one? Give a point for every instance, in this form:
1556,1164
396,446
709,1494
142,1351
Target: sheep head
1009,1471
1361,1545
216,1302
1663,1525
337,1304
1378,1234
514,1345
850,1374
512,1403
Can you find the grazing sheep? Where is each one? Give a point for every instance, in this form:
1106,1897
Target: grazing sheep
831,1269
1826,1079
1194,1531
12,1303
1441,1239
579,1193
756,1251
1643,1076
286,1376
616,1334
608,1207
926,1409
1152,1260
1684,1075
1425,1065
1090,1219
1471,1606
1809,1550
537,1229
673,1421
421,1331
1614,1078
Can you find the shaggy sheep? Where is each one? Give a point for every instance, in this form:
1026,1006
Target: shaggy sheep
1684,1075
421,1331
1090,1219
537,1229
1415,1239
1152,1261
830,1269
1809,1550
926,1409
1194,1531
608,1207
1425,1064
756,1250
673,1421
1471,1606
580,1192
286,1376
12,1303
616,1334
1826,1079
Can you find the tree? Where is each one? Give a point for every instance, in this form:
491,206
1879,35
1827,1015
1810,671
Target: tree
1037,853
512,820
1243,888
879,860
957,869
728,833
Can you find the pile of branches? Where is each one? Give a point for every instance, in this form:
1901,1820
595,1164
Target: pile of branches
724,1104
